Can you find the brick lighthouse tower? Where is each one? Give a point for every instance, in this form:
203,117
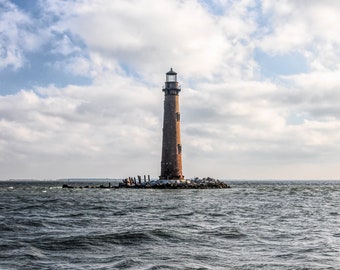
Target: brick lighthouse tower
171,165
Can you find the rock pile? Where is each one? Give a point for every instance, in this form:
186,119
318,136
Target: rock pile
175,184
130,182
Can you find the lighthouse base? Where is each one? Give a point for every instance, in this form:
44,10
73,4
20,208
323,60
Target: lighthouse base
196,183
205,183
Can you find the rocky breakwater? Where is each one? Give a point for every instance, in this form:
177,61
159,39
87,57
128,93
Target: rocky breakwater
196,183
138,183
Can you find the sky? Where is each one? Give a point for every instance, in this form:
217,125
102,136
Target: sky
81,87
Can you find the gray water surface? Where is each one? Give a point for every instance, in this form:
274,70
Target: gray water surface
253,225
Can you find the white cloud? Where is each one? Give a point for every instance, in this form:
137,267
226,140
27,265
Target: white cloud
310,27
316,94
234,124
18,35
138,33
11,19
65,46
100,124
77,65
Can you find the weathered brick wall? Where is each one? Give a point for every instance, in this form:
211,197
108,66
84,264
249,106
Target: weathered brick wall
171,165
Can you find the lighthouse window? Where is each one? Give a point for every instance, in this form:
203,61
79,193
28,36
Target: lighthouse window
179,148
178,116
171,78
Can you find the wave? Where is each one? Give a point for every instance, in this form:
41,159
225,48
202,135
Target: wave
91,241
224,232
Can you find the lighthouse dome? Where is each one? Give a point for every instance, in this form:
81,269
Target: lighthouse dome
171,76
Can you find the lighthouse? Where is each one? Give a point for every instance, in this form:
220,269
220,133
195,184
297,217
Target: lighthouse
171,164
171,176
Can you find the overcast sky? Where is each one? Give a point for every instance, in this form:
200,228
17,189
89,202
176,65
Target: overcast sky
81,87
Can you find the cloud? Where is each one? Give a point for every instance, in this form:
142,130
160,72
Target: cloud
316,94
65,46
304,26
134,34
259,123
237,122
78,125
10,33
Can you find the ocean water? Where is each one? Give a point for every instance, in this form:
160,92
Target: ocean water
253,225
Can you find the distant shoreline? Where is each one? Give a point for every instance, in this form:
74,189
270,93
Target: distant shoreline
62,180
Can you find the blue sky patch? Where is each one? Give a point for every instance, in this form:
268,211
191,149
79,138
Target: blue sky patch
37,71
276,65
212,6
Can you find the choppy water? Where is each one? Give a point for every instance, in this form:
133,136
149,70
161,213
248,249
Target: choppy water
253,225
